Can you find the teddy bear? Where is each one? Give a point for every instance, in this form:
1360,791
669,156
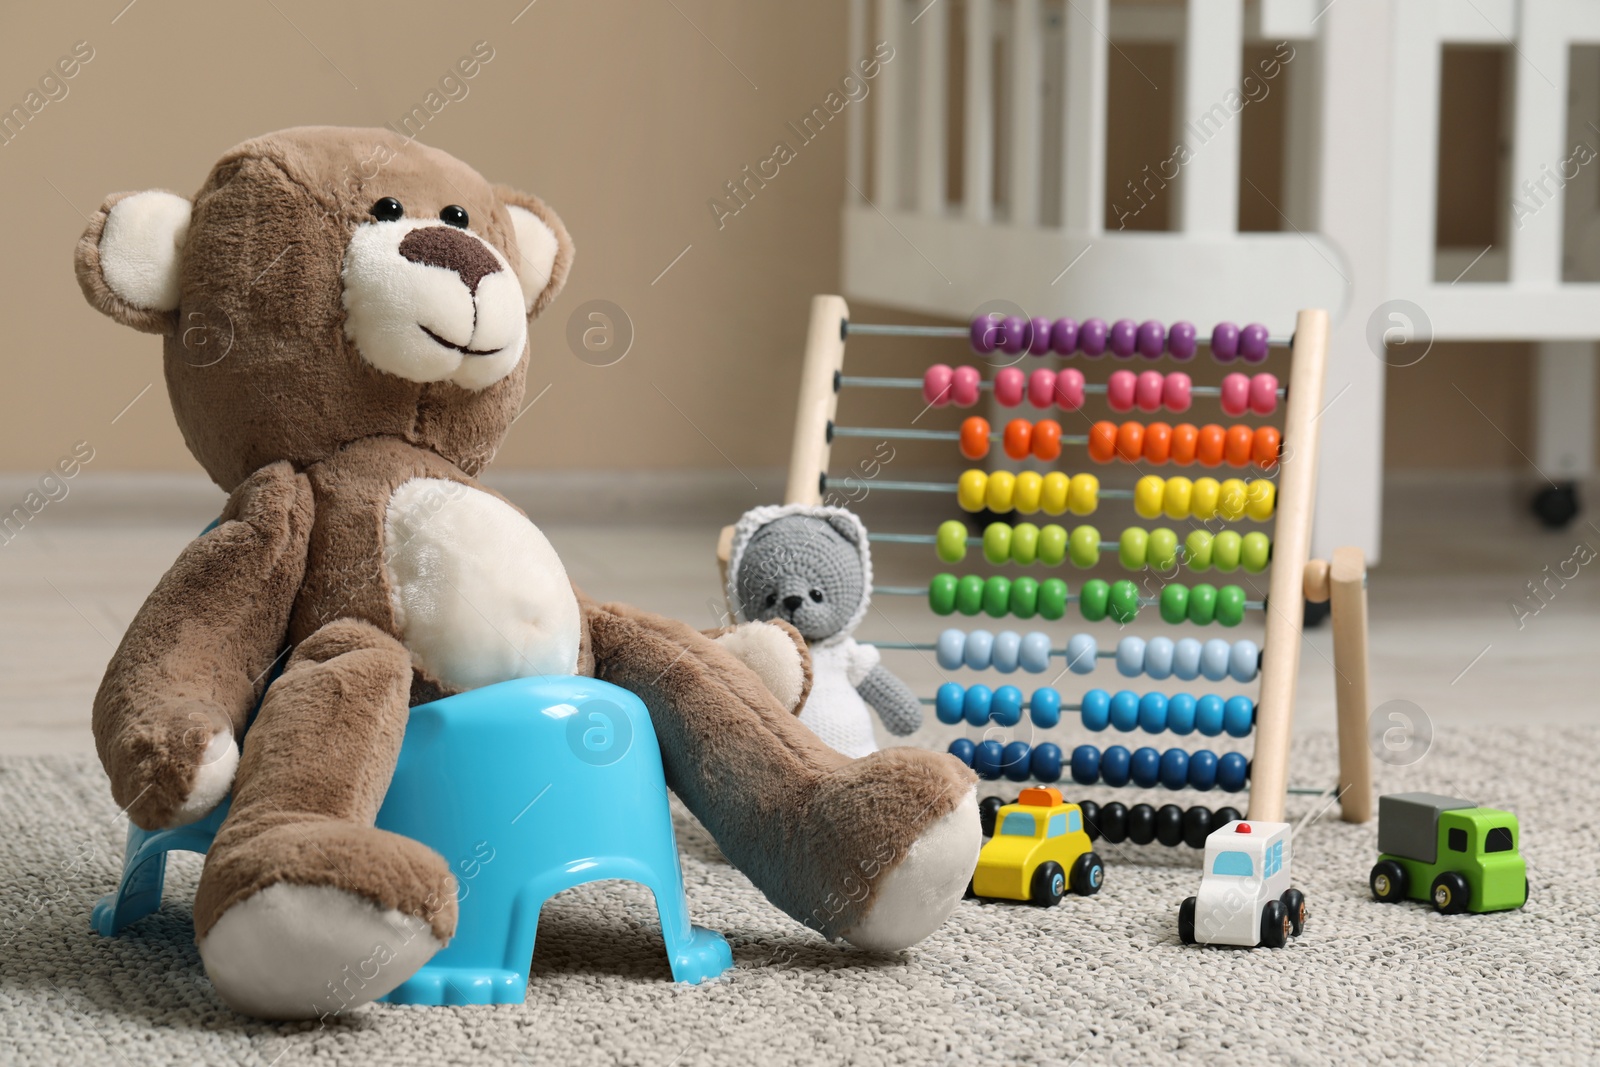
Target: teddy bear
811,566
345,320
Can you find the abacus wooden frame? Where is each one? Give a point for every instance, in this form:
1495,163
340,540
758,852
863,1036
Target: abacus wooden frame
1294,574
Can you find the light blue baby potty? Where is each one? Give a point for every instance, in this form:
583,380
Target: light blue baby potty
526,788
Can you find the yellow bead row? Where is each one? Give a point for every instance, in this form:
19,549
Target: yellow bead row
1028,492
1204,498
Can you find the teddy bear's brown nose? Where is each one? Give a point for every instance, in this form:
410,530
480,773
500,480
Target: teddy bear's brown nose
443,246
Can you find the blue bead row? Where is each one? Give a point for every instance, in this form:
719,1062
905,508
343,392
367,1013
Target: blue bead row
1116,766
1158,657
1154,713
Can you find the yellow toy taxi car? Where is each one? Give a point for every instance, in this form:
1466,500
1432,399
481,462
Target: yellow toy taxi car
1039,850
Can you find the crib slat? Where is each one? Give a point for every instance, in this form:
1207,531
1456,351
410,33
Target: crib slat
977,149
1537,148
855,146
1083,144
1024,58
1208,186
932,29
886,141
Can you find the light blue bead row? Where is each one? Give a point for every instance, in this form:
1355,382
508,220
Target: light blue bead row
1159,657
1188,658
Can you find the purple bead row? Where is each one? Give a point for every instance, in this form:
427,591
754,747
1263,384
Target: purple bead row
1041,336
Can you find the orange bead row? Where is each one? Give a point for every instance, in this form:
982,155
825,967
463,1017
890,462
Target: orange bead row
1021,438
1132,442
1183,444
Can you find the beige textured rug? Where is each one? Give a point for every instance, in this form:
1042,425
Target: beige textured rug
1102,980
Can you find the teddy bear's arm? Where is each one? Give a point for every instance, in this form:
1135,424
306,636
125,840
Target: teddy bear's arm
776,652
195,659
894,701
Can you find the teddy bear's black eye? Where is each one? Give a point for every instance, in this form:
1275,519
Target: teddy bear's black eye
772,598
454,215
387,210
816,594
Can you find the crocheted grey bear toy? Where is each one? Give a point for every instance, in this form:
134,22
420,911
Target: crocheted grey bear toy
810,566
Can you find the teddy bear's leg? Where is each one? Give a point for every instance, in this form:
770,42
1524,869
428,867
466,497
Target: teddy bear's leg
876,850
304,908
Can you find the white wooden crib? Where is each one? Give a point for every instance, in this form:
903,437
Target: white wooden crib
1360,173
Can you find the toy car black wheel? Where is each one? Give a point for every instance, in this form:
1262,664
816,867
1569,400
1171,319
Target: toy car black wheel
1294,902
988,810
1186,921
1274,924
1450,893
969,894
1088,874
1388,881
1091,818
1525,891
1049,884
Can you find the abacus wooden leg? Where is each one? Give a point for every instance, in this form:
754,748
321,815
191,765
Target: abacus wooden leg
724,556
819,399
1347,588
1280,665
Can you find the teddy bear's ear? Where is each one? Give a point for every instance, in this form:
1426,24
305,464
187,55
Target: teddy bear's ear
129,255
544,247
844,527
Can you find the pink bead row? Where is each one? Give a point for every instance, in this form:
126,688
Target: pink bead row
1148,391
1040,336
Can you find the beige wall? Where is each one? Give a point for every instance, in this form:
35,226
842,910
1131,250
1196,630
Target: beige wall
618,112
624,116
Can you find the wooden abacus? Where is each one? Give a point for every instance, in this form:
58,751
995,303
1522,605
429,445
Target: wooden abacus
1287,463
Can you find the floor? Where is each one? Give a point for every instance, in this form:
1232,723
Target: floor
1500,698
1092,981
1478,615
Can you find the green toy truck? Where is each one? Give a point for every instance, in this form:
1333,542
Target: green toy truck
1451,852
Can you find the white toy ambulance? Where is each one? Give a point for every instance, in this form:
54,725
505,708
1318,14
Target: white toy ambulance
1245,897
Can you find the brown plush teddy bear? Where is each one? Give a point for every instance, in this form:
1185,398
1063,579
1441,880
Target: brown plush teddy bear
345,317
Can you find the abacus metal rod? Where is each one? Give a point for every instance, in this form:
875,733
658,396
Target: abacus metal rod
1072,598
1092,388
924,435
890,329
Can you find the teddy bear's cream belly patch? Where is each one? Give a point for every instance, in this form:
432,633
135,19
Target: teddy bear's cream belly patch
479,594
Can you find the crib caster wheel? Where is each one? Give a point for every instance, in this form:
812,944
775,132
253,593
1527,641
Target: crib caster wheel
1556,505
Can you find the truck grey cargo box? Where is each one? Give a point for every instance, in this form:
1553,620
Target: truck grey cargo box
1408,823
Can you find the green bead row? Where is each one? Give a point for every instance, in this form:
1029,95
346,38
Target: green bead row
1026,543
1202,604
998,596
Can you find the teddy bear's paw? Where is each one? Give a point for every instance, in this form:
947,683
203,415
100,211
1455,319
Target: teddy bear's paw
304,952
774,652
919,894
213,780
